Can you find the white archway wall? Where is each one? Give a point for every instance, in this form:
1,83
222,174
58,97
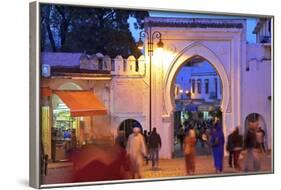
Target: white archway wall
186,54
197,49
224,50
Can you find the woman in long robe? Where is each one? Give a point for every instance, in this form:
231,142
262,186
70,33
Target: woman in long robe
136,150
217,142
189,152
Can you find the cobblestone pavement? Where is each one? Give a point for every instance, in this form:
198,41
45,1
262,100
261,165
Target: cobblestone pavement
167,168
204,166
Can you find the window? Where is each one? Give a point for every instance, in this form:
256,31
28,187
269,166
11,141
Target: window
206,86
193,86
199,86
216,88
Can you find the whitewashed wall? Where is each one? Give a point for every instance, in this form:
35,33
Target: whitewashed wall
256,87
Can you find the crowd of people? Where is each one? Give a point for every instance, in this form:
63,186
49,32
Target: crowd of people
210,134
142,147
130,153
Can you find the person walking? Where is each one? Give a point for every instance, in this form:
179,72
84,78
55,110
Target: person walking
146,136
229,148
181,137
237,147
121,140
217,143
154,146
189,152
252,161
136,151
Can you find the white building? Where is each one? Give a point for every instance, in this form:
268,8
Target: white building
200,80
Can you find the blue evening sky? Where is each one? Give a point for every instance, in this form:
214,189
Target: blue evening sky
251,21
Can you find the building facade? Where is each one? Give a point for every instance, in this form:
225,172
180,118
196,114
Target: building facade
123,84
199,81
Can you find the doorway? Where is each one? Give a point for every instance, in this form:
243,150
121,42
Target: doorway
128,125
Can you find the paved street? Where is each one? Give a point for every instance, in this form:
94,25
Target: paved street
204,166
61,173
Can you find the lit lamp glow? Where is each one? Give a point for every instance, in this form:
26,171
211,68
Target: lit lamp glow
150,37
140,44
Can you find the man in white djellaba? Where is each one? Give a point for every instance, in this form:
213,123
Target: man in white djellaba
136,150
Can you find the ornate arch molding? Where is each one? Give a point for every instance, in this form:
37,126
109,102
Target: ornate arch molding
194,49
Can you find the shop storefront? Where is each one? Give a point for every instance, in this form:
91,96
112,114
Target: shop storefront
64,131
63,121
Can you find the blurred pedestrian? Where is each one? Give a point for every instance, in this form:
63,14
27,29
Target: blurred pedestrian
252,161
189,152
121,139
145,135
136,150
217,143
181,137
229,148
154,146
237,147
109,163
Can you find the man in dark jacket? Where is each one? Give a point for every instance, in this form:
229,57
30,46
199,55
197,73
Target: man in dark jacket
237,146
154,143
229,148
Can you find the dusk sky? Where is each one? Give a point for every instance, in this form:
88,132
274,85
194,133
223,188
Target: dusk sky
251,21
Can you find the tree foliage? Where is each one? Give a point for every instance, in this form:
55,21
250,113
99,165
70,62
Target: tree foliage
91,30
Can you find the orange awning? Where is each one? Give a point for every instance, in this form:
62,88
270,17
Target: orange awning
82,103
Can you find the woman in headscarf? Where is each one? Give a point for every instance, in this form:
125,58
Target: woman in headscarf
217,142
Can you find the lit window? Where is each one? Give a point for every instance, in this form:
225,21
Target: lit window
199,86
216,88
193,86
206,86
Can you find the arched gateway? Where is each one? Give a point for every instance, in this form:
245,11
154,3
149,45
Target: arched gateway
195,49
221,42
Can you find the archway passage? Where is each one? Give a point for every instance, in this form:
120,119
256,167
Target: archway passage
197,98
128,125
